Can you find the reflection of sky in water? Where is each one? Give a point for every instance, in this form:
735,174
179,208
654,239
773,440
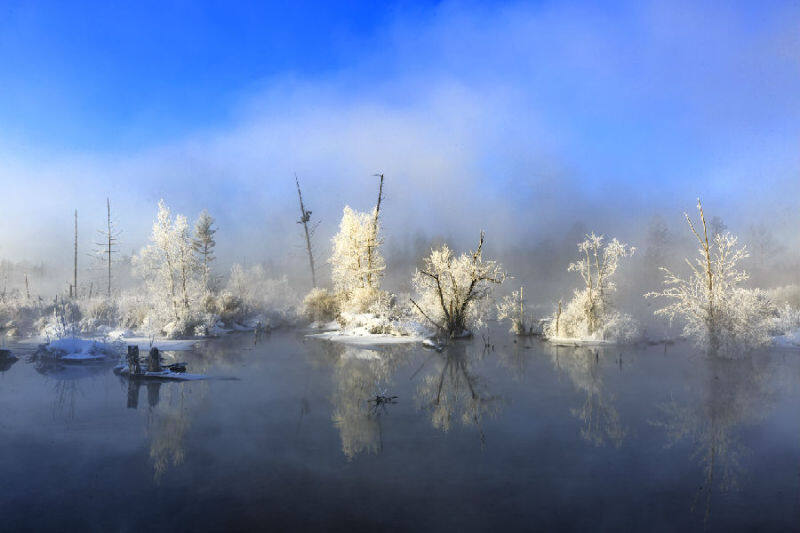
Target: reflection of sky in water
524,435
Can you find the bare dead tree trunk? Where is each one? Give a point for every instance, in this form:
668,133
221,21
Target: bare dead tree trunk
107,244
305,217
374,238
109,236
558,320
75,262
711,324
27,288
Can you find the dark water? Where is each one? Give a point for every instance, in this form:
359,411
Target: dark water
524,437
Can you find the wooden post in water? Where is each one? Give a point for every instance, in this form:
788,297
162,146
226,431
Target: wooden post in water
133,360
153,361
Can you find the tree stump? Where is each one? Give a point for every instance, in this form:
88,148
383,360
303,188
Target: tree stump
133,360
154,361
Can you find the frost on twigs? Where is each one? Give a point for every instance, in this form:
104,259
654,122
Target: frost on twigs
173,278
717,311
591,315
453,293
513,309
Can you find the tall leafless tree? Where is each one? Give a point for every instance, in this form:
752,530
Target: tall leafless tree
74,291
108,243
374,237
305,218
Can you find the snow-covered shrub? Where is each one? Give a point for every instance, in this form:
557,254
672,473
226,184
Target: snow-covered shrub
62,320
133,310
453,293
785,295
387,316
70,348
22,316
320,306
591,315
717,310
785,327
229,307
513,309
97,313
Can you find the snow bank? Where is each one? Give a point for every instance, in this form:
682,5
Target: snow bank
787,340
77,350
364,338
365,329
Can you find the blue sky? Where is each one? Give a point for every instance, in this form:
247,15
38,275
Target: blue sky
111,77
532,115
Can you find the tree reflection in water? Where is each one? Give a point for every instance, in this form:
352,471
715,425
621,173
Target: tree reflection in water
598,415
454,390
736,392
361,374
169,406
67,379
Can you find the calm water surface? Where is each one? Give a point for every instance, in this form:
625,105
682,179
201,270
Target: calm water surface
523,437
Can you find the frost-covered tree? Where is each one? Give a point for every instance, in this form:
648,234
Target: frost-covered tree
356,262
453,293
203,242
718,311
188,264
591,313
513,308
157,262
171,272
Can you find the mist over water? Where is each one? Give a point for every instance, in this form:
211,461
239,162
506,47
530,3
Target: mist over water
597,437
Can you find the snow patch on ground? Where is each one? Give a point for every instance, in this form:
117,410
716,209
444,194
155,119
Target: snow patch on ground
569,341
366,329
364,338
75,349
790,339
121,339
